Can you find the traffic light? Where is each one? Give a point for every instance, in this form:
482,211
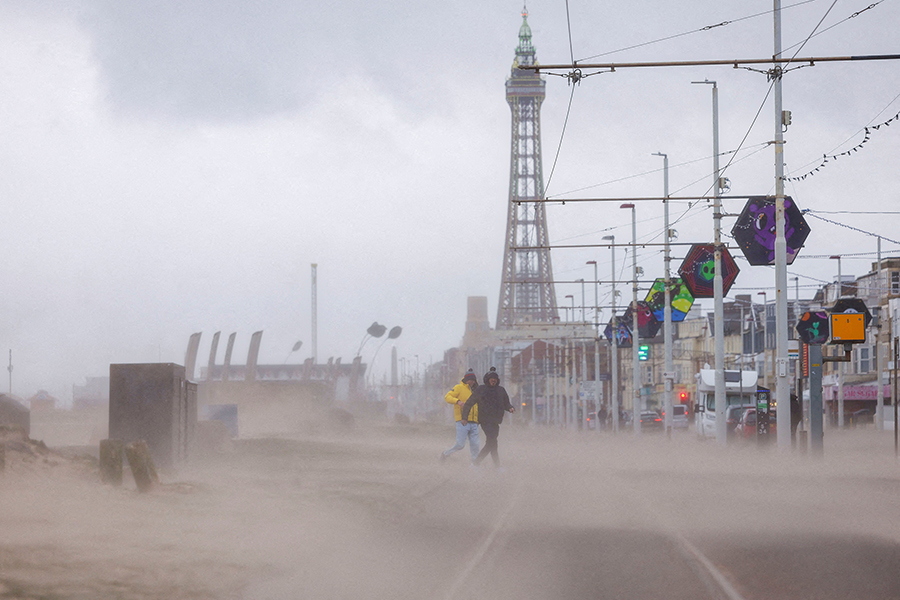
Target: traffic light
683,397
643,352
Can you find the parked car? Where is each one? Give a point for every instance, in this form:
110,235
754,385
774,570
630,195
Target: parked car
651,421
733,416
746,427
859,417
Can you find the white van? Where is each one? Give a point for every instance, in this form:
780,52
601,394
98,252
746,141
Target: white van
680,416
740,388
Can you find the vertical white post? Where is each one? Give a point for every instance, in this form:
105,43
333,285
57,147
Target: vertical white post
840,365
614,343
667,314
782,383
718,310
313,311
718,293
635,334
879,405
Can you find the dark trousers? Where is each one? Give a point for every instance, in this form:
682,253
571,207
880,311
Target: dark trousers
491,433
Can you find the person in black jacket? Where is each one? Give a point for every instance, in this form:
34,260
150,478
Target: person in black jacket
492,401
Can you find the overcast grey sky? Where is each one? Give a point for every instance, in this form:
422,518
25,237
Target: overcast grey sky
173,167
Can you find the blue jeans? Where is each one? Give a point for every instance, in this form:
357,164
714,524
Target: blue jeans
462,432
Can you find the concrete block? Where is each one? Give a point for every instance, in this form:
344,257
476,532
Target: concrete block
142,467
111,459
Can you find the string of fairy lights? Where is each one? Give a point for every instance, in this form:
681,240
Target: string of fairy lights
826,159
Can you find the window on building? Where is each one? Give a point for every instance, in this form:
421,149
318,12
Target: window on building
895,283
678,373
863,363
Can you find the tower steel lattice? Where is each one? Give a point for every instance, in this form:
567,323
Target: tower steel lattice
527,294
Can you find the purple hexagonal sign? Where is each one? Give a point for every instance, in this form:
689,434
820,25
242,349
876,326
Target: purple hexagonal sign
699,269
754,230
623,332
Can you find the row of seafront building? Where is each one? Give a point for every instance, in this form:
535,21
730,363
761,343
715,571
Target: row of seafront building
546,367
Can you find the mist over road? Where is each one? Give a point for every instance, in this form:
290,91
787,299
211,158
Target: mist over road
372,514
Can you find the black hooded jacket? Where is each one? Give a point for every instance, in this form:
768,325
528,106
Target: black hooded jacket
492,401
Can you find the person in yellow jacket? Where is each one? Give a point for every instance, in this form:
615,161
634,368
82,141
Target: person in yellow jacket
457,397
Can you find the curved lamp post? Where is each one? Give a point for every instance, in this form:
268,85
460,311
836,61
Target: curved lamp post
374,331
393,334
294,349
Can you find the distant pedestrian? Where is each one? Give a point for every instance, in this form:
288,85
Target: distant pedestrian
464,430
492,401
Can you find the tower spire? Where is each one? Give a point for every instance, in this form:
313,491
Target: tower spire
527,293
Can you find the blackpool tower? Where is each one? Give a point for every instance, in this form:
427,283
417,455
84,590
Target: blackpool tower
527,294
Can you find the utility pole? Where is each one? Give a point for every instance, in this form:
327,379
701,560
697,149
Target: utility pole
596,345
669,373
635,333
840,365
879,356
314,316
718,307
614,342
782,385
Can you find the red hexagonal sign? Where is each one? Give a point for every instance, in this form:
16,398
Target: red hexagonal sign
648,326
699,268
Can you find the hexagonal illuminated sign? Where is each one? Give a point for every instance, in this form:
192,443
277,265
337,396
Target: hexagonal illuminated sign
623,332
813,327
681,299
754,230
699,268
852,305
648,326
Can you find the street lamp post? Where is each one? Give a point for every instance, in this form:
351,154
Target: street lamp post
718,295
596,345
570,347
635,334
840,365
582,300
614,343
295,347
667,314
393,334
765,345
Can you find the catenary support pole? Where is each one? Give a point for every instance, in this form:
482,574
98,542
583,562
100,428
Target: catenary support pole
879,351
614,343
782,384
635,333
669,367
718,304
